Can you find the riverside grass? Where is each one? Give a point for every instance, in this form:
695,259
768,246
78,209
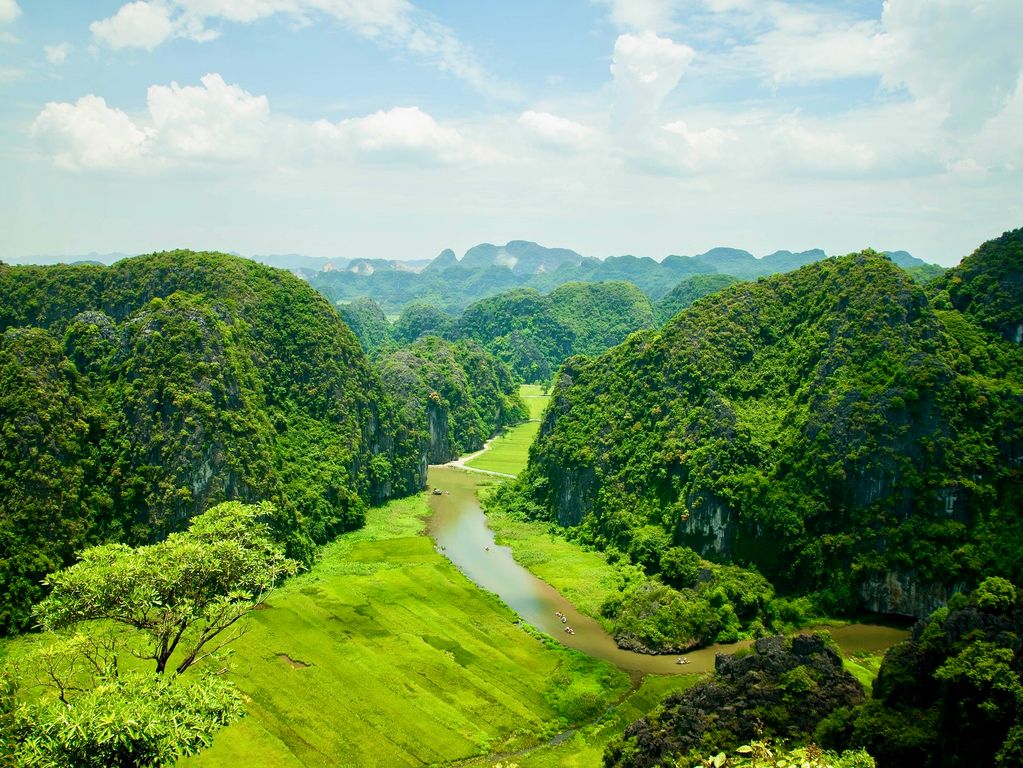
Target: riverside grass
585,747
509,452
406,663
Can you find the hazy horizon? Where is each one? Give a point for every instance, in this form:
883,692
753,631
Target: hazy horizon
392,129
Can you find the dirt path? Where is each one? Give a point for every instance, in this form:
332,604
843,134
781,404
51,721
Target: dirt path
459,463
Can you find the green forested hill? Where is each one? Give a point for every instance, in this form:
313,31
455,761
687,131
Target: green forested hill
134,396
486,270
689,290
952,695
534,333
601,315
368,323
520,327
453,396
988,286
828,427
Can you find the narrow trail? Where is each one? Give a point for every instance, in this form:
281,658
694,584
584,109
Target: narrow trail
460,463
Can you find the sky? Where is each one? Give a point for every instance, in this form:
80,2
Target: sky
395,129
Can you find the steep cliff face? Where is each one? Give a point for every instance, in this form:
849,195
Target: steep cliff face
904,593
439,449
828,427
190,379
453,396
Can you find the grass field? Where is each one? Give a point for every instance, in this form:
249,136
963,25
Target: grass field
509,452
864,667
585,748
386,655
534,398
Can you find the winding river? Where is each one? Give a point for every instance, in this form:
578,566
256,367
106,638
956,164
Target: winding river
459,528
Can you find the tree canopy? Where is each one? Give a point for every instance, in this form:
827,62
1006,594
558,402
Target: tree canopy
135,396
176,604
828,427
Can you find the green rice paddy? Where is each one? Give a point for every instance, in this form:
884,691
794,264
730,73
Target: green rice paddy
535,399
384,654
509,452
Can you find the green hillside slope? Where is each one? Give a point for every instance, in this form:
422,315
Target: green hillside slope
137,395
534,333
827,427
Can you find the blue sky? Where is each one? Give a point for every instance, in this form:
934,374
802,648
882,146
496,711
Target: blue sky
393,129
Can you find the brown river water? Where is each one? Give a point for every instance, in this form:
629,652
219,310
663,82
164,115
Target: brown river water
459,528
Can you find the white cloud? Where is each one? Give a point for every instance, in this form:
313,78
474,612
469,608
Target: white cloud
211,122
697,149
799,148
646,68
807,46
216,121
136,25
558,132
964,56
9,11
643,15
57,54
402,133
10,75
89,135
391,23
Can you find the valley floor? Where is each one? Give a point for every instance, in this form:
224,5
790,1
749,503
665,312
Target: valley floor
385,654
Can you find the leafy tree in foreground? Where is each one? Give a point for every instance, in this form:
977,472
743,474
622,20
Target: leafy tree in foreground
761,754
181,594
174,604
133,720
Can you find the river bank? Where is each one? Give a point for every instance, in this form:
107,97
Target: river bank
526,580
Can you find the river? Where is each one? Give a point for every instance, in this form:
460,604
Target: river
459,528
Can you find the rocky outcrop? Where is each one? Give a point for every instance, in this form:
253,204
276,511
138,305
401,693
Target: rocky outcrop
439,448
782,689
902,593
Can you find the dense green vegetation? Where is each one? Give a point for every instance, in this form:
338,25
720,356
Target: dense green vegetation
452,395
418,320
781,689
534,333
486,270
761,754
135,396
988,286
950,696
689,290
529,332
172,606
601,315
827,427
384,654
521,329
368,323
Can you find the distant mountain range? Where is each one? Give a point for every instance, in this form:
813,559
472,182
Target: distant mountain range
485,270
452,284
